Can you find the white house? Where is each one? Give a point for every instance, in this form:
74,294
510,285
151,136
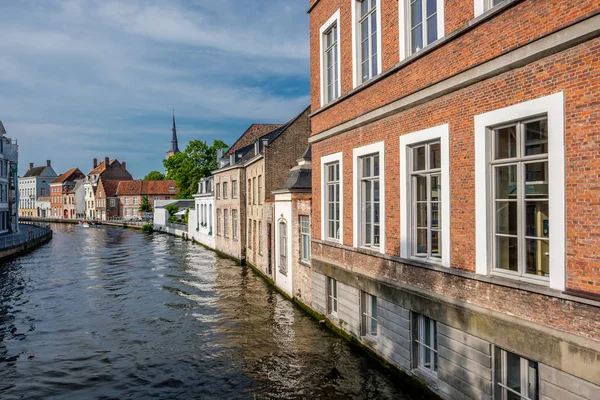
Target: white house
200,220
9,206
43,207
33,184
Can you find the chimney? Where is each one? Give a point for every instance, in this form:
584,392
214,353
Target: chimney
95,162
256,148
232,159
124,165
30,165
48,163
265,142
106,161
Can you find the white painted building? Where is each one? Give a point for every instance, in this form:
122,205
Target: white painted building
201,219
9,206
43,208
33,184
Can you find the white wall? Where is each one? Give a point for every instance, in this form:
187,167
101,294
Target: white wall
283,209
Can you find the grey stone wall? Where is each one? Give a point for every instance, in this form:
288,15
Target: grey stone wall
465,365
349,309
557,385
394,336
319,293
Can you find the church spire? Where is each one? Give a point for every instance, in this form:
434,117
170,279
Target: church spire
174,146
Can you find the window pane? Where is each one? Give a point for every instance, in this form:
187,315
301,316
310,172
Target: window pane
376,165
436,244
536,137
421,187
419,158
506,217
532,374
416,39
536,219
422,241
536,179
505,142
432,34
421,220
436,222
366,167
513,372
435,187
416,13
506,185
506,253
373,315
431,7
435,159
538,257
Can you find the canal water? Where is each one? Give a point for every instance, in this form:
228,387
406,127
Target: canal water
111,313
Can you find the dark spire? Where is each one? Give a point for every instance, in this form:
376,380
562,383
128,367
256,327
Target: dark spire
174,146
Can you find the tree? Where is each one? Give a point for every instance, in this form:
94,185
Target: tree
155,176
197,161
145,207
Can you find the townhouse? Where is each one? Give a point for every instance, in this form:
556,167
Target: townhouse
108,205
455,220
106,170
59,193
130,194
9,195
33,184
200,221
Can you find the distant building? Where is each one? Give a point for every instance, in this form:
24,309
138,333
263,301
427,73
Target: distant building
200,221
174,149
108,205
43,207
59,193
106,170
33,184
9,206
130,194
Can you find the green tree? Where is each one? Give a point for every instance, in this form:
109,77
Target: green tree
197,161
145,207
172,209
155,176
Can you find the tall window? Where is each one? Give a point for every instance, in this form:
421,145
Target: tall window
514,377
368,37
426,186
369,314
249,233
260,199
305,237
210,218
218,221
369,200
332,296
234,217
226,223
332,201
249,190
260,237
283,248
218,192
225,194
331,63
254,231
519,170
254,190
426,356
423,16
234,190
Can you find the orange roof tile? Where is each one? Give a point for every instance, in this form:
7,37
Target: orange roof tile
141,187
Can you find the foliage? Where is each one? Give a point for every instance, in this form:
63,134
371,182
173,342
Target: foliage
172,209
197,161
186,216
174,220
145,207
148,228
155,176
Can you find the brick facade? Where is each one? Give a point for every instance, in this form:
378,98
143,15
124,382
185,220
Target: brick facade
227,244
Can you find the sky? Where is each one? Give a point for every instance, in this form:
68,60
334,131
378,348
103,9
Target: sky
92,79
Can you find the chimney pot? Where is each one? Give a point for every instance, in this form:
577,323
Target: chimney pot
48,163
232,159
30,165
95,162
106,161
124,165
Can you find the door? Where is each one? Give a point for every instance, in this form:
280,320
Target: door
269,249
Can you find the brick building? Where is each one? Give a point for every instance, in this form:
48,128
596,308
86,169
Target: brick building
108,170
107,201
456,214
59,193
130,194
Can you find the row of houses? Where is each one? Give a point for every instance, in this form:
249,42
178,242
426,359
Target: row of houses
9,163
107,192
451,221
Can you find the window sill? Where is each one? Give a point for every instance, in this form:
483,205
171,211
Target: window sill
370,339
430,378
306,263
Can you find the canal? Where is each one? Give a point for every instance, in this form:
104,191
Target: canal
111,313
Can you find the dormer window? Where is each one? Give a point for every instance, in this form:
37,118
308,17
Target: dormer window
172,189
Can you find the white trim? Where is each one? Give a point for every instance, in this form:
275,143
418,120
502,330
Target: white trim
441,132
335,19
326,160
378,147
404,25
353,5
553,107
478,7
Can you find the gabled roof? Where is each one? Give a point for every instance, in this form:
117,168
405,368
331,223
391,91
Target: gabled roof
101,167
255,131
150,188
35,171
2,130
71,174
300,176
110,187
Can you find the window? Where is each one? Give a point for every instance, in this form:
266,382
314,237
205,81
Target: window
225,194
249,191
424,23
519,166
426,357
369,201
210,218
332,296
260,197
218,194
226,223
260,237
367,40
112,202
330,60
331,191
369,314
218,222
254,231
283,248
482,6
514,377
305,238
234,217
254,190
234,190
135,201
126,201
249,233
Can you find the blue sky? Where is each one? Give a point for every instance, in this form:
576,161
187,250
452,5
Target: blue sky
83,79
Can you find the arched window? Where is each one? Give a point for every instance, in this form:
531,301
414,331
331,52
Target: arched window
283,247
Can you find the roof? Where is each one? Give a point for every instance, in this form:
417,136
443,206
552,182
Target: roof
44,198
35,171
67,176
300,176
2,130
255,131
110,187
141,187
101,167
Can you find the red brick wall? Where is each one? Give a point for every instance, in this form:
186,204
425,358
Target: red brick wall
576,72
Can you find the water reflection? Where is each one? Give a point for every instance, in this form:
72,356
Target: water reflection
113,313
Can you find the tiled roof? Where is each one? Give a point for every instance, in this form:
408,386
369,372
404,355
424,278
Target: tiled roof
141,187
35,171
255,131
67,175
101,168
110,187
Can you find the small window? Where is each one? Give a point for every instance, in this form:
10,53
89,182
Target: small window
369,314
283,268
515,377
426,356
249,190
260,196
218,222
332,296
260,237
226,223
305,238
423,23
234,217
218,194
254,190
249,234
234,189
225,194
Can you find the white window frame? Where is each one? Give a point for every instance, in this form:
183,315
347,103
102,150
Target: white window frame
336,157
357,153
404,27
332,298
553,107
366,309
234,189
283,256
407,141
421,348
356,62
334,20
502,354
481,6
302,237
235,219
